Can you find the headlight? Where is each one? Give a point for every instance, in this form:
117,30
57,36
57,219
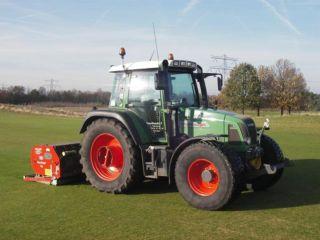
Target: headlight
233,134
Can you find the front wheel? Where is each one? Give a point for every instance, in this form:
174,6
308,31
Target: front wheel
272,154
205,177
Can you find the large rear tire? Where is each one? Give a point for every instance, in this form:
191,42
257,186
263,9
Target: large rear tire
205,177
109,157
272,154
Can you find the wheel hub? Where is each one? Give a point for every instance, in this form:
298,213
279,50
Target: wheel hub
107,157
203,177
207,175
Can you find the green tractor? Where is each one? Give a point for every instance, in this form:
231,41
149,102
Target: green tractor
158,124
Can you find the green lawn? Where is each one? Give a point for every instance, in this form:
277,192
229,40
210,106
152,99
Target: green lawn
290,210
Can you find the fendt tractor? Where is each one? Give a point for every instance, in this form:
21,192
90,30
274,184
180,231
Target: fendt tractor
158,124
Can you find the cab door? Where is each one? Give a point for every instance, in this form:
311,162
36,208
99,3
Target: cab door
146,102
185,95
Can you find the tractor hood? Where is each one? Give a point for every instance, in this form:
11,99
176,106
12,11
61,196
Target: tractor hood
199,122
227,113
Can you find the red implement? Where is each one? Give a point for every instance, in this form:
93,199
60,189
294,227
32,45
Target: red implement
55,164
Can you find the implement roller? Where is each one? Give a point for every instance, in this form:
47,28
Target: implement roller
55,164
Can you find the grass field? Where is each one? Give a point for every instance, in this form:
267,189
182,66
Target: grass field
290,210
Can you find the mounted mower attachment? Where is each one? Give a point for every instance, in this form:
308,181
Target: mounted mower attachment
55,164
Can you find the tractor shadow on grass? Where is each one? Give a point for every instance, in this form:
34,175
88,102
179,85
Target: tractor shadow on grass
158,186
299,186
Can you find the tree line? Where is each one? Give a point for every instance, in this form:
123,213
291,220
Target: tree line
21,95
281,86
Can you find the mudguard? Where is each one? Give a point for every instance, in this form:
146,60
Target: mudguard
138,129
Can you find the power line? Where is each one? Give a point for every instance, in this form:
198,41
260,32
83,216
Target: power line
223,64
52,84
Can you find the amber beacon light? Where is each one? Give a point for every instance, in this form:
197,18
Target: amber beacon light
122,52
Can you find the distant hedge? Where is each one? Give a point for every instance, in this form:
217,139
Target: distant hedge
20,95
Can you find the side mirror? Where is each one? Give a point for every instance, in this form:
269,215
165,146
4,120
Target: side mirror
161,80
266,124
220,83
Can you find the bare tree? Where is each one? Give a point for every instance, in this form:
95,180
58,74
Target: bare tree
265,74
288,85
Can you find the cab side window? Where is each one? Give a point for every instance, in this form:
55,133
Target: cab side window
118,91
142,88
145,101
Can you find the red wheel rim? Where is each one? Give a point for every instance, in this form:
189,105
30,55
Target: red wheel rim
203,177
106,157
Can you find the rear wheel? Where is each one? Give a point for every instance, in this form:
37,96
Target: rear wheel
205,177
272,154
109,157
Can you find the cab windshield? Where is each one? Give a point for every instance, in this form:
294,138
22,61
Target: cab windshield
183,89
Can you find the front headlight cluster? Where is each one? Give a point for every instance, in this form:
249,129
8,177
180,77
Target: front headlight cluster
245,133
184,64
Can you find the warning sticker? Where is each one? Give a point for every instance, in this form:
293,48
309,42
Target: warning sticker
38,151
201,125
48,172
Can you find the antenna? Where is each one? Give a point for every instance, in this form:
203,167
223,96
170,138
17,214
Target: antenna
155,40
151,55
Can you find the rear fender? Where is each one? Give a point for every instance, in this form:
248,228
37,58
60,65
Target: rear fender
121,117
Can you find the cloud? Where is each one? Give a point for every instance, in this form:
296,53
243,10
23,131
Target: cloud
283,4
26,16
282,18
190,5
309,3
17,28
101,17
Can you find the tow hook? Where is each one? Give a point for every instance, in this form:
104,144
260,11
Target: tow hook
270,169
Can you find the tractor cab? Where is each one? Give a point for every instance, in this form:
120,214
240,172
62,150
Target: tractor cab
165,95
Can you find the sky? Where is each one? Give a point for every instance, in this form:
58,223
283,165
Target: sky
76,41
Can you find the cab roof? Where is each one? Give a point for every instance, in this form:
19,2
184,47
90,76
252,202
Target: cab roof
152,65
135,66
